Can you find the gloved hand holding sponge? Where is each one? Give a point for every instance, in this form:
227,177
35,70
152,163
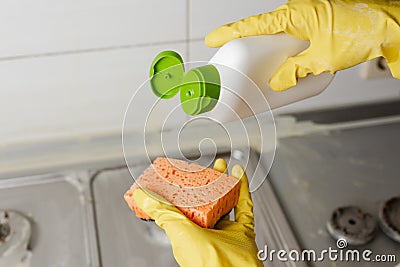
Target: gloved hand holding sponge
342,34
229,243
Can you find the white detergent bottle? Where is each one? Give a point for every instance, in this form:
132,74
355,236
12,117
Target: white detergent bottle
234,83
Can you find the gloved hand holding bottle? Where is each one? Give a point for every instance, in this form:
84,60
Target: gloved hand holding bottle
230,243
342,34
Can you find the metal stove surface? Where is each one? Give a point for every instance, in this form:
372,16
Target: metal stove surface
315,174
124,240
312,175
53,205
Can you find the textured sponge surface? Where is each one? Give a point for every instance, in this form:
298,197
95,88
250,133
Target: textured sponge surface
202,194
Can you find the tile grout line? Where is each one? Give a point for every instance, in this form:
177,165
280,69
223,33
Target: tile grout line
188,54
93,50
188,25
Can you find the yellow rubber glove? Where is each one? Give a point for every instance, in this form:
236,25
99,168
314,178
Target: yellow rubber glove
230,243
342,34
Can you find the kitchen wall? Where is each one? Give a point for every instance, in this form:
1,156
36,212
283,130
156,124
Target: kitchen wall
69,68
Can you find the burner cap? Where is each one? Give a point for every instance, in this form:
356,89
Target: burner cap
352,224
15,233
389,218
4,231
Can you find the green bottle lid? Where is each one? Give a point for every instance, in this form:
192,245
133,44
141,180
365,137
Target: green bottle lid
166,74
200,90
199,87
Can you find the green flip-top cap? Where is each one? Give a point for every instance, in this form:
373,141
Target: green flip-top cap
166,74
200,90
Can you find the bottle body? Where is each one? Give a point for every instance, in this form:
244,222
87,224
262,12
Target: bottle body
245,67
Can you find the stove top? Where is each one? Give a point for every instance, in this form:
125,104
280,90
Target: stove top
317,174
341,182
43,222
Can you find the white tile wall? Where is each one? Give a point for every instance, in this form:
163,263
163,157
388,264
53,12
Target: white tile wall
45,26
198,51
70,67
73,94
208,14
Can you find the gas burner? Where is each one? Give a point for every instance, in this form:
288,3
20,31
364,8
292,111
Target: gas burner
4,227
352,224
15,233
389,218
